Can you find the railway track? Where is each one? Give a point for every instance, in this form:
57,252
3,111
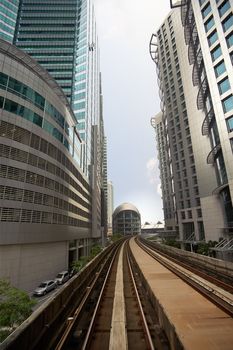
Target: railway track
120,304
213,289
118,320
220,279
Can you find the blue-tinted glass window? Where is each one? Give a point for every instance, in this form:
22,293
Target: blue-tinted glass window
227,23
231,140
227,104
56,133
206,10
216,53
230,39
1,101
66,144
23,112
230,124
220,69
212,38
209,24
33,117
25,92
231,57
79,105
224,86
80,115
3,81
201,2
53,112
223,8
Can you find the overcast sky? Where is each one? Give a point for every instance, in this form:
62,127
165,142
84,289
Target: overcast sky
131,99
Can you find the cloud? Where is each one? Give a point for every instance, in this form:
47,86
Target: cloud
153,174
128,20
151,166
130,98
159,190
111,19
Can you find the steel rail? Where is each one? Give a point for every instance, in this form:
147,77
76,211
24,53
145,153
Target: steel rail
226,286
91,325
144,321
213,295
71,320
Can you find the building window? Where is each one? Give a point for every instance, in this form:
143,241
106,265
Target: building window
209,24
216,53
201,2
231,141
227,104
223,8
230,40
229,122
220,69
212,38
223,86
227,23
206,10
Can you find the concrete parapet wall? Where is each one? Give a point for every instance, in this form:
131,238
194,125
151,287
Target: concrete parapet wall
42,325
220,266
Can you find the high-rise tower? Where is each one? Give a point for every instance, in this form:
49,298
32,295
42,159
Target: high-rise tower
165,172
180,184
62,37
194,66
110,205
8,18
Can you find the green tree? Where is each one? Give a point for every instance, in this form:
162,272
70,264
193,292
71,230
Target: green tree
203,248
171,242
95,250
15,307
116,237
79,264
83,260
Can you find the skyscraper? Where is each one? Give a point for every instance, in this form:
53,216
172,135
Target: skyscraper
194,67
8,18
62,37
208,29
165,173
55,109
110,205
182,201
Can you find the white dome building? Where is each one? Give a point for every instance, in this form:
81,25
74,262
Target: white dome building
126,220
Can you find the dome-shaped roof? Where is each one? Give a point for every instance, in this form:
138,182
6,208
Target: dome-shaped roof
125,206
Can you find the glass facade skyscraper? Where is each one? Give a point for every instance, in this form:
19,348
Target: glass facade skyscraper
8,17
61,36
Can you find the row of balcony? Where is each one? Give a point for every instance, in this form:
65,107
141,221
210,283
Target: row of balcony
199,78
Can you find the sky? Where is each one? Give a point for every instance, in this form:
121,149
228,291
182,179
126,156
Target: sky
131,98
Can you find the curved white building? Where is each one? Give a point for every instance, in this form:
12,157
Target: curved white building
45,198
126,220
